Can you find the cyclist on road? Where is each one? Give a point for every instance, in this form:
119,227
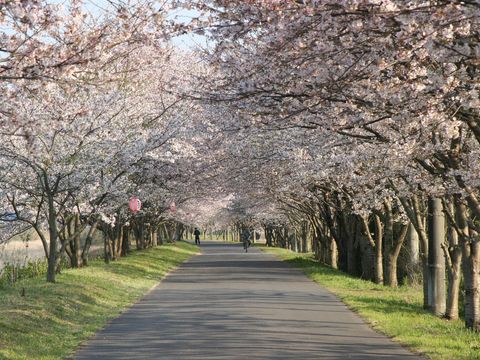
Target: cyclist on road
246,239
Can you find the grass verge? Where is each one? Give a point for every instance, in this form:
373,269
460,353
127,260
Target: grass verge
53,319
397,313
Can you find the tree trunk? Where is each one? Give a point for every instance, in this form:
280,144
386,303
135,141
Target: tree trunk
333,254
138,244
389,268
436,258
378,267
112,244
413,255
413,247
351,250
159,235
52,228
154,236
369,255
305,237
414,212
396,252
106,253
142,236
393,245
120,238
453,255
454,284
88,243
126,241
471,254
77,247
470,266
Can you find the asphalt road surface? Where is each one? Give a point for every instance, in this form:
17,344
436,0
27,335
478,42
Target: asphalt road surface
228,304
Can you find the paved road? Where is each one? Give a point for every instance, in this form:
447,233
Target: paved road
226,304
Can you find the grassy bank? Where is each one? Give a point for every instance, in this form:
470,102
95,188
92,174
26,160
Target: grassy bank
51,320
395,312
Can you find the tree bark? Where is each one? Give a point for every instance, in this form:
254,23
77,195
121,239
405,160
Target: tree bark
453,256
154,236
351,250
369,253
413,246
106,249
453,290
126,241
472,288
470,266
393,256
120,237
378,267
77,248
414,212
88,243
390,269
436,258
333,254
52,228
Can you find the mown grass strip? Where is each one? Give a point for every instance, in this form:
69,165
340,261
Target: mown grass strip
395,312
53,319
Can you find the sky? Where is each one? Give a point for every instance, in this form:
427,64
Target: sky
187,42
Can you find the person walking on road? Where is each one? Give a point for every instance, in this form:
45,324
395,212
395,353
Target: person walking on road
197,236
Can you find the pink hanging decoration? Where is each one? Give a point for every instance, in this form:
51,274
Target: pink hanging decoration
135,204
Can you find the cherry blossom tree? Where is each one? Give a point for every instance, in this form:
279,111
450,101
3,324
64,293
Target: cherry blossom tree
394,80
352,124
74,158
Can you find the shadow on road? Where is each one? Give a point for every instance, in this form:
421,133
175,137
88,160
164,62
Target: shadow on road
228,304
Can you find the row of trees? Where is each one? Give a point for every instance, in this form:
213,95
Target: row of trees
357,126
346,127
91,114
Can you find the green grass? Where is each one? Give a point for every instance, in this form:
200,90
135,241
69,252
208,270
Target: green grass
397,313
53,319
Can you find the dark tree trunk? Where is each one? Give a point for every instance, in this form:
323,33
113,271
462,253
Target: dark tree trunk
351,250
77,247
88,243
52,228
471,267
